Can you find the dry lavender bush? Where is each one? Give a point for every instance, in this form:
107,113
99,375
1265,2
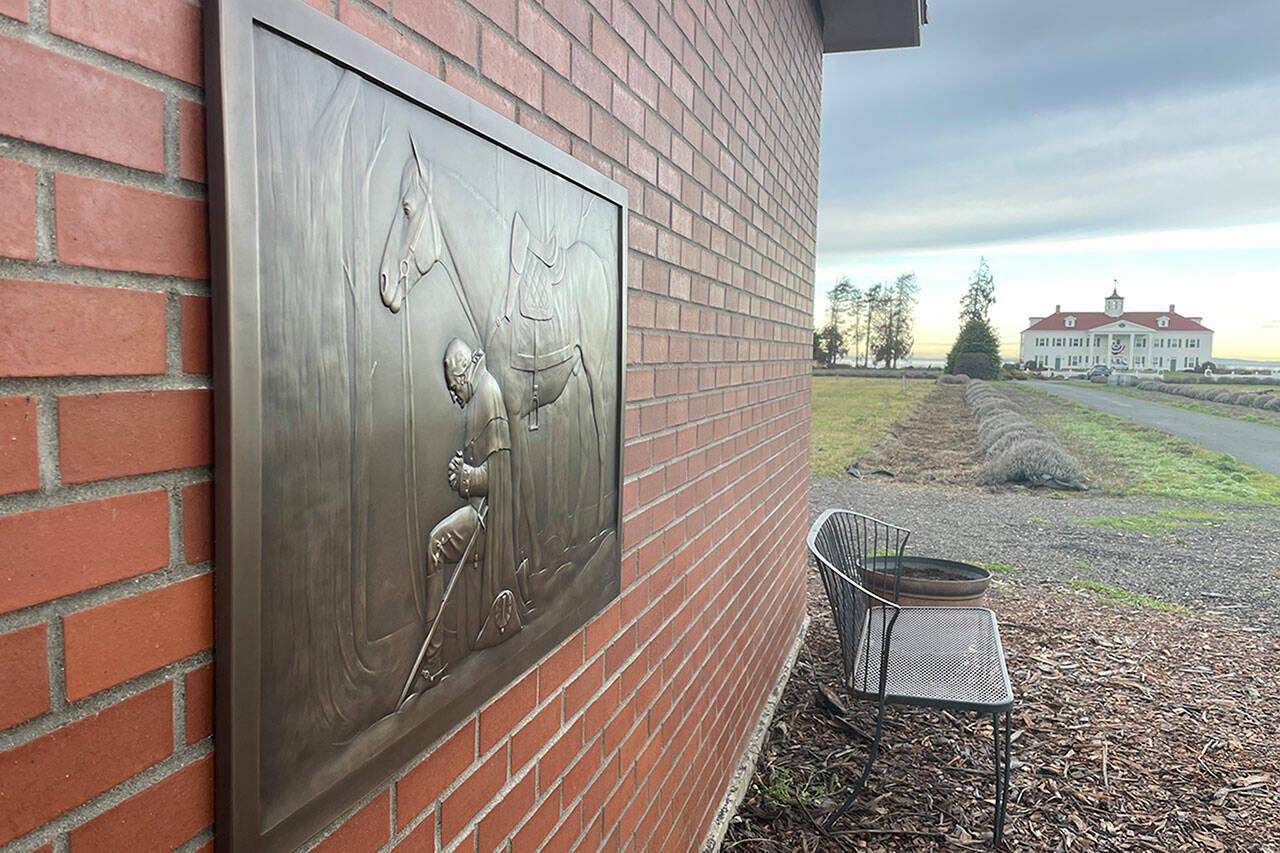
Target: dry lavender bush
1017,450
1254,399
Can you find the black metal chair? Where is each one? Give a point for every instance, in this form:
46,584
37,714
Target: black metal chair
938,657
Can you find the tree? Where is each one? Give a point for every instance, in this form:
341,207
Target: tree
895,321
977,300
976,336
828,345
873,305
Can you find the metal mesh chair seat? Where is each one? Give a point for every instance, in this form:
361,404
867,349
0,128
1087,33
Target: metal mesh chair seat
940,657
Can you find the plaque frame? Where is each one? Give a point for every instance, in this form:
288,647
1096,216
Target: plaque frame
233,169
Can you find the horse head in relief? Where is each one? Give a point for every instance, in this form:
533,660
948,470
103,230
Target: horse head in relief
414,242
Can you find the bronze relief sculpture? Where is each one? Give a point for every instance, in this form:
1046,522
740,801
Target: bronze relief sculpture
419,323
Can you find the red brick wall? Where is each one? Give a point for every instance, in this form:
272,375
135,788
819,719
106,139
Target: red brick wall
707,111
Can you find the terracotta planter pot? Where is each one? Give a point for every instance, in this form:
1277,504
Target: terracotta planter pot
929,582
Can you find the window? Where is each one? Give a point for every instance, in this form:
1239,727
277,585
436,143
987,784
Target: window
1071,322
1163,322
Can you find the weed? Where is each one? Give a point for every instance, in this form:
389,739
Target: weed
1037,521
805,787
996,568
1081,566
1115,595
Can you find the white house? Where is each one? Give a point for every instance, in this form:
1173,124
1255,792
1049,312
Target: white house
1133,340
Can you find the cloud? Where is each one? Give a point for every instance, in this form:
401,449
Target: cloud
1020,122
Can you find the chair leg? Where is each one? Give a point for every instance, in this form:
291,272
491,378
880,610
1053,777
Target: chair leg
1002,772
866,772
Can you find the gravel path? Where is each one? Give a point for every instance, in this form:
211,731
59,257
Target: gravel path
1230,566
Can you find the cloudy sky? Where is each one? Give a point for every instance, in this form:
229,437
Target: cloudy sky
1072,144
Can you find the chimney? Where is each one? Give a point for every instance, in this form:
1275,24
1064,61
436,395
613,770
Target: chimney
1057,309
1171,311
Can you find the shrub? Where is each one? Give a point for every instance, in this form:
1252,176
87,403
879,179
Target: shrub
1031,461
987,408
1008,438
978,365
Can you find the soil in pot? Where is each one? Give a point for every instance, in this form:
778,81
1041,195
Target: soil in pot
929,581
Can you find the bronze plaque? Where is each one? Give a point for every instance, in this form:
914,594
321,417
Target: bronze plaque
419,376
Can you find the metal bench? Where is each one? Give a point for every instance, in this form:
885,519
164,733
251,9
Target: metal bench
937,657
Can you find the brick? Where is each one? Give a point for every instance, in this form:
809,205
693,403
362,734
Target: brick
535,734
133,432
19,445
112,226
444,23
52,329
420,786
53,100
538,826
566,106
197,354
557,667
380,32
199,704
44,777
421,840
501,12
122,639
478,90
163,35
472,795
53,552
540,36
191,145
499,719
18,225
503,817
557,757
24,675
502,63
197,523
608,48
162,817
14,9
365,831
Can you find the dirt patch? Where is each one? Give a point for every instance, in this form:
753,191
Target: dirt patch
937,443
1134,729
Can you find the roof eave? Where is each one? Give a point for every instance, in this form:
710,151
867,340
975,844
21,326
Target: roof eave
850,25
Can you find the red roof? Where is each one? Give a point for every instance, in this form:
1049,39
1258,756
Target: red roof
1086,320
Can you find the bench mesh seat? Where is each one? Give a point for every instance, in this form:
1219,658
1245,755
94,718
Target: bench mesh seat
940,657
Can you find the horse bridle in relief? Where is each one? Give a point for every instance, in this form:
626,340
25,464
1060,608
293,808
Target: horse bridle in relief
427,214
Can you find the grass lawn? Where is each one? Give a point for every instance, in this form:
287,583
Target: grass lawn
850,414
1204,407
1123,458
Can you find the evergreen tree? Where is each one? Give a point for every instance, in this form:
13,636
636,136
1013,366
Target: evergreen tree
977,300
976,334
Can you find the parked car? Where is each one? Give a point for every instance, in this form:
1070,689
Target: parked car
1099,370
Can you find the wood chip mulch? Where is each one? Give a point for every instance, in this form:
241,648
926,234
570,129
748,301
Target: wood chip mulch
1134,729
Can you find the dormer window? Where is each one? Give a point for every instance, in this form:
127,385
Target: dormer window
1071,322
1163,322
